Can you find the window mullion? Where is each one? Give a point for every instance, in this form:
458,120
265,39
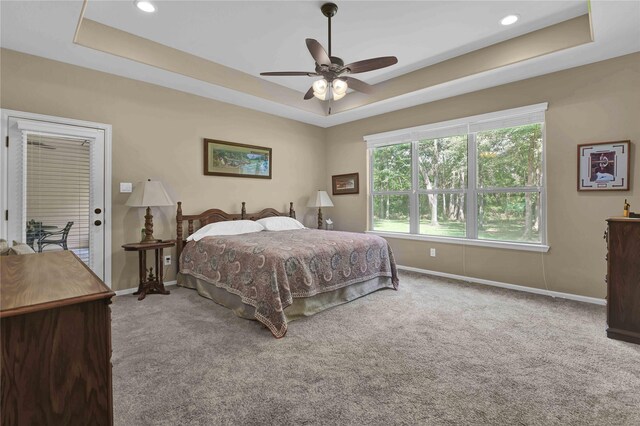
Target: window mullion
543,188
370,218
414,209
506,189
442,191
472,187
391,193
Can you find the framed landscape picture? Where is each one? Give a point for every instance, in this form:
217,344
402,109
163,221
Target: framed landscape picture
604,166
235,159
345,184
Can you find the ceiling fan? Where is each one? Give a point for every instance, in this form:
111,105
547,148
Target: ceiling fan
335,74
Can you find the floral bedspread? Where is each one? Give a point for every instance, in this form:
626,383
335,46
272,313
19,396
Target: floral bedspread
268,269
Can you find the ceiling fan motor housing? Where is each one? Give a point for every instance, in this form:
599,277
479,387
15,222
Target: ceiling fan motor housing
337,61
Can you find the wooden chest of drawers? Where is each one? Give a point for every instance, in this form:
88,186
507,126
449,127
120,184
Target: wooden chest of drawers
55,325
623,279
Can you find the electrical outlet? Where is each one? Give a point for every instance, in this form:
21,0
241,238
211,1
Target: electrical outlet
432,252
167,260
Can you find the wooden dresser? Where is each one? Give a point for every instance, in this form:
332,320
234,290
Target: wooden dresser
623,279
55,324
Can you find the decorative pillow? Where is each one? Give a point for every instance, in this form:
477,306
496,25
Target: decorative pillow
20,248
280,223
4,247
231,227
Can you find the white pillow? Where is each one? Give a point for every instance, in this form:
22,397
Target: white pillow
280,223
231,227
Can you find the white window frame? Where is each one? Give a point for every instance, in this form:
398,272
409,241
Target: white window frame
469,125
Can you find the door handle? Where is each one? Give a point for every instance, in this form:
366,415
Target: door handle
97,223
98,211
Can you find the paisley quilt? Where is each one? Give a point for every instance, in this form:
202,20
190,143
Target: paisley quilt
269,269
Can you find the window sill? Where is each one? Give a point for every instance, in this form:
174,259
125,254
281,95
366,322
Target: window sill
463,241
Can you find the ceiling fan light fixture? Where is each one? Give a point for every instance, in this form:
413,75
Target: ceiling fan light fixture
322,96
145,6
320,89
340,87
509,20
338,96
320,86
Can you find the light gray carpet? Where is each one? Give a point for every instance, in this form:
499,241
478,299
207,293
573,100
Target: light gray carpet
434,352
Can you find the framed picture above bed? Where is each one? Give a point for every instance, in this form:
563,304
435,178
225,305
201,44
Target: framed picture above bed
345,184
604,166
223,158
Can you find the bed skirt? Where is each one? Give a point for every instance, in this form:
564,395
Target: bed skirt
301,307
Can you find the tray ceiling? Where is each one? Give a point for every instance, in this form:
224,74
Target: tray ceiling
217,49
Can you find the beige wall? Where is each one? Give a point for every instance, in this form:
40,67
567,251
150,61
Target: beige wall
157,134
594,103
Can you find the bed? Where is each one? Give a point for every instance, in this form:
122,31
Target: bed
278,276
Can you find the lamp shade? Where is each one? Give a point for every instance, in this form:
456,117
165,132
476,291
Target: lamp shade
150,193
320,199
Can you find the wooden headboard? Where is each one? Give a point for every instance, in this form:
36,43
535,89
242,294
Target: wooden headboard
217,215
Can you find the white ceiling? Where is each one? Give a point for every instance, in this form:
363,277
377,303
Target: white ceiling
269,36
259,36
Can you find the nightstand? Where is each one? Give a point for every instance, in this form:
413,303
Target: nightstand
149,284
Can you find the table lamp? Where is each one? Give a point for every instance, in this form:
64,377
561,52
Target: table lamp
319,200
149,194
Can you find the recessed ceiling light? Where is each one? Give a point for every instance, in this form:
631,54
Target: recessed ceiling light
509,19
145,6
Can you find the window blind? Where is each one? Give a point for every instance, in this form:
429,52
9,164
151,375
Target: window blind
58,187
507,121
493,120
441,132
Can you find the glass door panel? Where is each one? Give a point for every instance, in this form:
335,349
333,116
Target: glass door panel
58,194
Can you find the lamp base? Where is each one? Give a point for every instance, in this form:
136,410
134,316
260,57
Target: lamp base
148,229
319,218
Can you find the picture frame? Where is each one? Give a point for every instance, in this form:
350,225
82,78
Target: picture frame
348,183
222,158
604,166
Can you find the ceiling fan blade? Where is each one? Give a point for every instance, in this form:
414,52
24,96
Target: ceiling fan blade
358,85
372,64
289,73
318,52
309,94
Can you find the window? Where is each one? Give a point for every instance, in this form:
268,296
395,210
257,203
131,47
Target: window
479,178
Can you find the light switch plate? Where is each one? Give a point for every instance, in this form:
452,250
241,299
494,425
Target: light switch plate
125,187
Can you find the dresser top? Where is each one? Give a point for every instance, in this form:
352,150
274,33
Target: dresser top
623,219
34,282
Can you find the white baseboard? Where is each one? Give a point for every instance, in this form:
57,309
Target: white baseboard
134,289
542,291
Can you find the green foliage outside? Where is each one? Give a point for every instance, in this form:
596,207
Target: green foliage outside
506,158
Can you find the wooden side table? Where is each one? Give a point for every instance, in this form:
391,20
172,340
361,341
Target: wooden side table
149,284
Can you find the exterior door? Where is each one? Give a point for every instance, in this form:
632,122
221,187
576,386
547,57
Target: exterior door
55,188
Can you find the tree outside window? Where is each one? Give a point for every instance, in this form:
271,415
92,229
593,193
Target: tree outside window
505,185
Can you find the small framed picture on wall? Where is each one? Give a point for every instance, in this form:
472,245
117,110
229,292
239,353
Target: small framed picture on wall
604,166
345,184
